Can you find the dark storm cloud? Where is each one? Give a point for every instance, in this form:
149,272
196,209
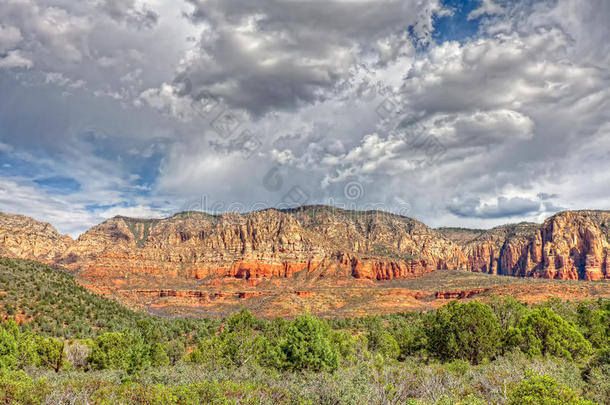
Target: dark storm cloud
266,55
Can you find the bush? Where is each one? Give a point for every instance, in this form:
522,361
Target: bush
306,346
544,390
8,348
463,331
109,350
16,387
595,325
544,332
50,353
384,343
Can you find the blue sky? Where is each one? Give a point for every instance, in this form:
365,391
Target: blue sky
493,104
456,26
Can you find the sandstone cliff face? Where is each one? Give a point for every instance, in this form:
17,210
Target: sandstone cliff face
310,243
23,237
570,245
263,244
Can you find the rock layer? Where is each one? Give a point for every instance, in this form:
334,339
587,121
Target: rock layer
317,243
25,238
570,245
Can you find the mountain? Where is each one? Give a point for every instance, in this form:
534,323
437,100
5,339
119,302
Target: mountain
570,245
24,237
213,261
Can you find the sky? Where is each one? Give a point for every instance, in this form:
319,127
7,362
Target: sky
457,113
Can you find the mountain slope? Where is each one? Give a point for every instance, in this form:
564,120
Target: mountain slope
51,302
270,243
23,237
570,245
207,262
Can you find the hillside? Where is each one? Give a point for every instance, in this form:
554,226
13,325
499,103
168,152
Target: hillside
51,302
317,258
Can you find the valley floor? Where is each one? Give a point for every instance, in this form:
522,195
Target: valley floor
290,297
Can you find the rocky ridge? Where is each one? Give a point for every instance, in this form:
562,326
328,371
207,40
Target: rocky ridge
26,238
364,245
310,253
570,245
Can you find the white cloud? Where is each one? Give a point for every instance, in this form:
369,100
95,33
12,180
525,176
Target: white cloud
9,37
488,7
21,198
14,59
138,211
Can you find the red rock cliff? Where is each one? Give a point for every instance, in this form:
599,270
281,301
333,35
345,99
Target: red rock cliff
570,245
317,242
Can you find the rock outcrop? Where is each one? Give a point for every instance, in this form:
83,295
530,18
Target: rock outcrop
316,243
570,245
261,245
26,238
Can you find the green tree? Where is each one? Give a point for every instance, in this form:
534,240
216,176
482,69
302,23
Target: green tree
50,353
175,351
138,357
383,342
241,346
508,311
544,390
411,336
543,332
110,350
158,355
27,354
306,346
467,331
208,351
240,321
594,324
350,348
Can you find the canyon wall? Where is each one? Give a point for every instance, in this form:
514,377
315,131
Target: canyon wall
570,245
197,249
260,245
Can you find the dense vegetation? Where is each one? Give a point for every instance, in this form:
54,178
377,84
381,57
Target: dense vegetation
53,304
463,353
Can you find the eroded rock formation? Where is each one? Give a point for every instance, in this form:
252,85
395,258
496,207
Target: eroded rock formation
313,243
571,245
23,237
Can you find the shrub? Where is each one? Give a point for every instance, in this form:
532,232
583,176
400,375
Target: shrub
306,346
8,349
16,387
463,331
384,343
50,353
544,390
544,332
109,350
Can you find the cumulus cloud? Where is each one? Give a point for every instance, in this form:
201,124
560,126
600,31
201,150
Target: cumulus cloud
14,59
144,104
501,208
138,211
127,11
277,55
